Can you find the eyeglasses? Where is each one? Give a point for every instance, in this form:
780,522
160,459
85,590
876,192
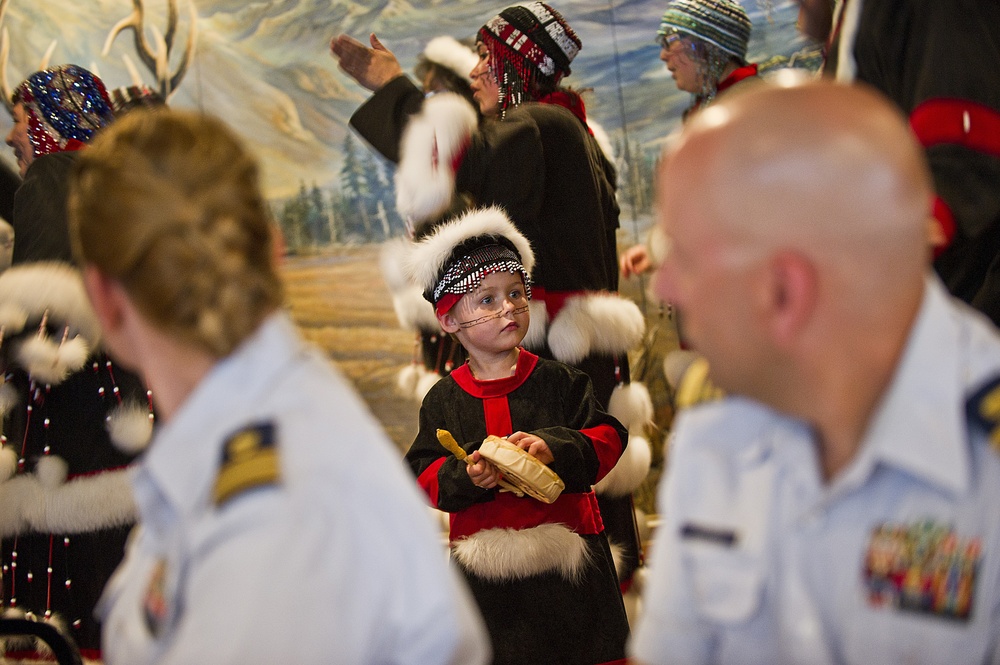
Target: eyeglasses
669,39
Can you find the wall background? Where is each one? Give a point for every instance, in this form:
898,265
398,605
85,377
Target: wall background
265,68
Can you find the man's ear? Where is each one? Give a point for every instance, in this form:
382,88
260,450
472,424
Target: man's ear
794,288
447,322
105,296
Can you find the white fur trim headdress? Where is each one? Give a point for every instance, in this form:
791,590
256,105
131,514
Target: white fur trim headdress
451,54
454,258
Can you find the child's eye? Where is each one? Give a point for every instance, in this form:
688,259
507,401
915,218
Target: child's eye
487,300
516,294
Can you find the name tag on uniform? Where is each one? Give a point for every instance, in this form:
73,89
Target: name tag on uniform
723,537
922,567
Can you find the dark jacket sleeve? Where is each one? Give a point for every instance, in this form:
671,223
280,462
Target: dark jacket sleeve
40,228
440,474
382,119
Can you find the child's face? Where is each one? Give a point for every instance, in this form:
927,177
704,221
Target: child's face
495,316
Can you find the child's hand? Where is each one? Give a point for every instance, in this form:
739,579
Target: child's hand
534,445
482,472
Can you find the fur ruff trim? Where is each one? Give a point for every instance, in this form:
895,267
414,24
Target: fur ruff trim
509,554
432,140
48,361
412,311
618,557
424,384
53,287
631,404
537,326
595,323
603,140
130,427
451,54
84,504
406,379
429,256
630,470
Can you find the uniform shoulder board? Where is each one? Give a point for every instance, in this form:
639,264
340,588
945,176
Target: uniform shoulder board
983,409
249,460
695,386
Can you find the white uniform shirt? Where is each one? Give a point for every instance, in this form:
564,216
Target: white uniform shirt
759,561
335,562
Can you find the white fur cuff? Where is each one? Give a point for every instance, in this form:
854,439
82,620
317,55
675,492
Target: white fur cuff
425,179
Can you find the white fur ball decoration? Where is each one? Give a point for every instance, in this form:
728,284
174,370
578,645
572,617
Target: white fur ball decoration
8,463
130,427
426,382
9,398
51,471
13,318
406,380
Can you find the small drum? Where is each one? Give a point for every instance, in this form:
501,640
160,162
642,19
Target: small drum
522,469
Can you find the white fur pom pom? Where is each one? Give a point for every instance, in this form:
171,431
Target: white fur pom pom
40,357
51,471
631,469
676,363
8,398
130,427
8,463
13,318
426,382
631,404
406,380
73,354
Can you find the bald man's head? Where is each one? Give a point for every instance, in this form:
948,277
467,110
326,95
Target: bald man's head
830,170
797,217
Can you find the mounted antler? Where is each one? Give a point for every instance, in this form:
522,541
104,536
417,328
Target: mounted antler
156,56
5,88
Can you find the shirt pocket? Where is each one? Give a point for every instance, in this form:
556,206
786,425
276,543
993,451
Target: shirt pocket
727,587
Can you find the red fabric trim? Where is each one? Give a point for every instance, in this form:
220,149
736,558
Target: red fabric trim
957,121
526,362
88,474
946,220
73,145
607,445
554,300
738,75
578,511
571,101
30,655
497,413
447,301
428,480
456,160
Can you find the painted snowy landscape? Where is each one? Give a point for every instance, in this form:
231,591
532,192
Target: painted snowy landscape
265,68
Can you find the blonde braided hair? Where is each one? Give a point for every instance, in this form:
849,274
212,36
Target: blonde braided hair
169,204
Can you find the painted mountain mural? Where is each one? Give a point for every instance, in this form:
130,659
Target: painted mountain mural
265,68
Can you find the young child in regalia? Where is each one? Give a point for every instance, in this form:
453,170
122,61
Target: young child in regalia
542,573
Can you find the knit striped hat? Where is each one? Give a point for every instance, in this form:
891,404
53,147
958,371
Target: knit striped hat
722,23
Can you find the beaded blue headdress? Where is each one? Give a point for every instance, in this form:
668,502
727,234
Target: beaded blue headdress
65,105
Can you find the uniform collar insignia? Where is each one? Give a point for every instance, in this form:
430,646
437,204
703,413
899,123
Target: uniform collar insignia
249,460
